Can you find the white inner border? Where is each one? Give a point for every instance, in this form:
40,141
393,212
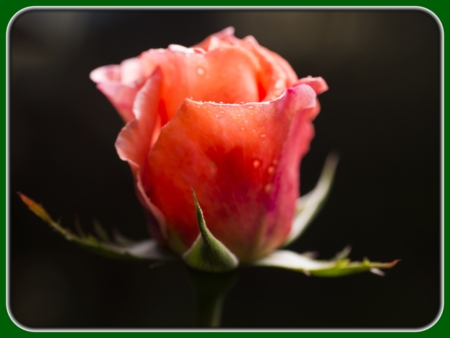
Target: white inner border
294,8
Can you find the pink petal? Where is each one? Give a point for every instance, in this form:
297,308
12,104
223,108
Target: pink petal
276,74
135,140
227,75
120,84
241,160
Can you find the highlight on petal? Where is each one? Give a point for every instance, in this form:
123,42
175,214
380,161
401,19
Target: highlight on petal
244,171
139,250
321,268
208,253
310,204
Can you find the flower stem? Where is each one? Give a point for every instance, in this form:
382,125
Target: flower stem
210,290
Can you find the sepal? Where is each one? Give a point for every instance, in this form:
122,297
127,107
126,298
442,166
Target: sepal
118,248
336,267
207,253
310,204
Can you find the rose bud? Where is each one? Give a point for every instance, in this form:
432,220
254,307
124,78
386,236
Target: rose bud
227,119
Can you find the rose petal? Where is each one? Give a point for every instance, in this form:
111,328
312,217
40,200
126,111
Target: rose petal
317,83
135,140
225,75
121,96
120,84
276,74
243,169
224,38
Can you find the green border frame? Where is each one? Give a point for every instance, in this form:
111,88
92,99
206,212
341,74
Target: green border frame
442,12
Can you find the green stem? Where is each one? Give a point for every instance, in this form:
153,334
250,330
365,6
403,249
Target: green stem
210,290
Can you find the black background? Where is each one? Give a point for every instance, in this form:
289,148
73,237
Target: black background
382,114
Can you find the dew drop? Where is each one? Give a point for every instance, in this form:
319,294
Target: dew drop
217,116
275,162
242,128
245,121
250,107
256,164
263,135
268,187
238,114
200,71
222,112
271,169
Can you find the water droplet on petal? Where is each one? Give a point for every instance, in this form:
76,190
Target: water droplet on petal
275,162
246,121
256,164
222,112
271,169
263,135
200,71
268,187
250,107
242,128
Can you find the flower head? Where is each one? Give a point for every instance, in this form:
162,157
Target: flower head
227,118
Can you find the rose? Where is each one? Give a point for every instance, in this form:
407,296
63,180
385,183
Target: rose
227,118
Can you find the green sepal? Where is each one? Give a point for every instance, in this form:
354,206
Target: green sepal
135,250
207,253
310,204
336,267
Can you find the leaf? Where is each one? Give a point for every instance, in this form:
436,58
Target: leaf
141,250
310,204
207,253
321,268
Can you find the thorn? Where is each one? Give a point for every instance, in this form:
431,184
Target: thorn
377,272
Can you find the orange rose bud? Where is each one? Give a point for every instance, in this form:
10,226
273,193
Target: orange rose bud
227,118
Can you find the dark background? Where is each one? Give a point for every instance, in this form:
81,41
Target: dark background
382,114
